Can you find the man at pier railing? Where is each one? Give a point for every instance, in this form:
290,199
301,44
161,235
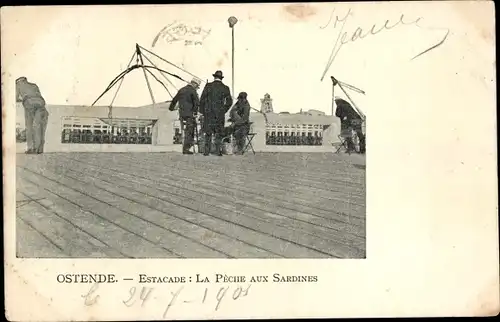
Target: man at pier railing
35,114
350,121
189,102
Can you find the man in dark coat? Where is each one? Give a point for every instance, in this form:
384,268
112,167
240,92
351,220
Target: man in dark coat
35,114
215,101
188,100
240,116
350,120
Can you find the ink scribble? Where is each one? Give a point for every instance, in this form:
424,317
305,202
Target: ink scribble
180,32
89,298
345,37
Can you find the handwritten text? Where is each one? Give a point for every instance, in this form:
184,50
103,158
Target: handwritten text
345,37
179,32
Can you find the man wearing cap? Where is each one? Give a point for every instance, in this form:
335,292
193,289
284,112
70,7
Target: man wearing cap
215,101
35,114
350,120
188,100
240,116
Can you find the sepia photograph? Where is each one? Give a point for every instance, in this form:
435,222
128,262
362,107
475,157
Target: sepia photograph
209,161
170,160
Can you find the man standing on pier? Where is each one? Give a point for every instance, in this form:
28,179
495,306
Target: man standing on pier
215,101
35,114
188,100
350,120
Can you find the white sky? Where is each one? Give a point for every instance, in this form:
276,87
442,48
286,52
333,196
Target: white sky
73,53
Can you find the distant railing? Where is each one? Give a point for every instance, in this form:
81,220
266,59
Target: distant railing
93,130
293,140
79,137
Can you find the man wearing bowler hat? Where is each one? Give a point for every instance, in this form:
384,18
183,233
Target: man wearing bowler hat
35,114
188,100
215,101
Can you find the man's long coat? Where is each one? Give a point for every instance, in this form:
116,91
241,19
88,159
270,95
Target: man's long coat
215,101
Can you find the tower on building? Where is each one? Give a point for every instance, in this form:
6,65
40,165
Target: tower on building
266,104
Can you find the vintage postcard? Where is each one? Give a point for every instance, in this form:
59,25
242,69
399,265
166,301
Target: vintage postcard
209,161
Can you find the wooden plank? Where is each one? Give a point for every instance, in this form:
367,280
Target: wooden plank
171,193
75,242
249,194
122,187
200,179
316,196
262,176
22,159
321,166
59,232
312,174
161,188
111,232
312,243
211,222
32,243
258,194
349,219
201,165
310,168
220,201
298,187
131,183
105,231
120,211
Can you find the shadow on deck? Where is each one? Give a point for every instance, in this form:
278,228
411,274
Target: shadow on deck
168,205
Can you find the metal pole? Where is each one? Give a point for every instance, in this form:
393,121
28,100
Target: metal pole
168,80
333,98
353,104
145,75
232,52
232,23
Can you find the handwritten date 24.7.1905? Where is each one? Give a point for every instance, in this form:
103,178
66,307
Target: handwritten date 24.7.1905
167,298
139,296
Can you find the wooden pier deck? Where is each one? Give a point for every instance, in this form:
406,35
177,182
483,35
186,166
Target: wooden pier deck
169,205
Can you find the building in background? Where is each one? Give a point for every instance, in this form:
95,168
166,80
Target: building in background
302,128
266,104
80,125
312,112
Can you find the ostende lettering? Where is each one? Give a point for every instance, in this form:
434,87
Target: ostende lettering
86,278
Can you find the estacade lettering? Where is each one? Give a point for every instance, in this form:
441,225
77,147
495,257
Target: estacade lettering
143,278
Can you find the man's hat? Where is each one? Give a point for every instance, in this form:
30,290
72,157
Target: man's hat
196,82
22,78
218,74
242,95
338,98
